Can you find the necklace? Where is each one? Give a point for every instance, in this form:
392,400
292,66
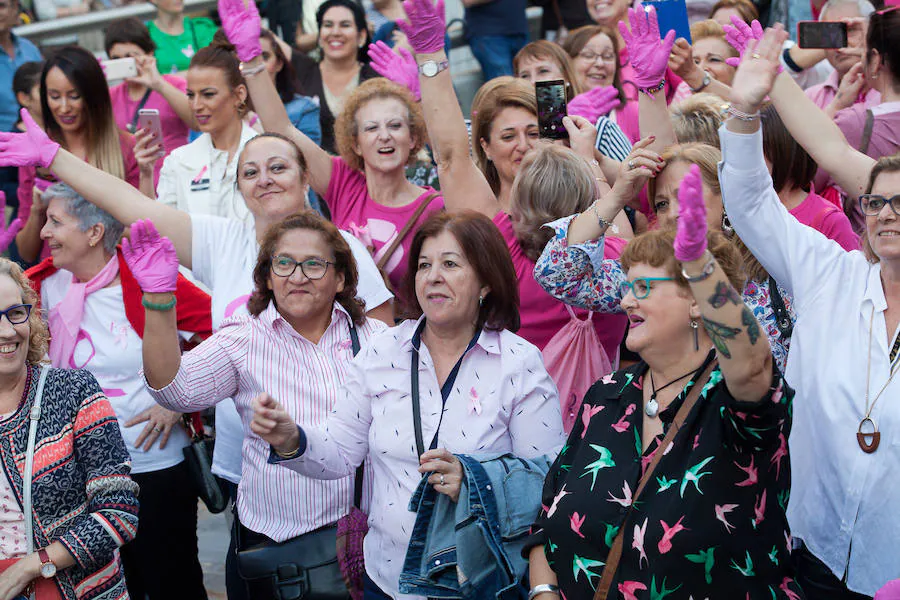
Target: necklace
652,408
863,438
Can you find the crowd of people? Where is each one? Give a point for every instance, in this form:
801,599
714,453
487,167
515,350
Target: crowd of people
654,342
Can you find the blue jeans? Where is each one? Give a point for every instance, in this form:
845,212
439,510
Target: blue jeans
495,52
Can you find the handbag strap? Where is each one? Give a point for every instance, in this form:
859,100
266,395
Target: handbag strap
417,408
29,459
782,316
132,127
615,552
381,262
360,470
867,131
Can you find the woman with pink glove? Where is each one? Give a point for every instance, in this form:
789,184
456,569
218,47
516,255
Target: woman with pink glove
695,437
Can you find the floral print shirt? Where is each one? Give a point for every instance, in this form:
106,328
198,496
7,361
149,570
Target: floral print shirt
579,275
712,517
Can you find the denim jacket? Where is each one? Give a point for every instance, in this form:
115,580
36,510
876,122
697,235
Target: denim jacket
472,548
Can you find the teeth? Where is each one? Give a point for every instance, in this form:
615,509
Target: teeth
888,234
8,348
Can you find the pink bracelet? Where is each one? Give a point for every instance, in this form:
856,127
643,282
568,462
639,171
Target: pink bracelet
652,90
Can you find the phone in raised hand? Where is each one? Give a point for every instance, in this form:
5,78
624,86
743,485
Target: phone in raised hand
117,69
148,118
822,34
552,105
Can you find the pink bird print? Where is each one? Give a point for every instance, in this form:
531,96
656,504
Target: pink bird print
625,500
628,588
780,453
639,384
759,510
721,511
575,522
474,402
697,440
562,494
752,474
609,379
665,544
637,543
791,595
621,425
587,414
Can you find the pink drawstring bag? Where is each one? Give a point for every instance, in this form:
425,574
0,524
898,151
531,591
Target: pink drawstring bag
575,359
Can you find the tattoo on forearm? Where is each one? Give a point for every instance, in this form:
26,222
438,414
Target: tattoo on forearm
720,333
749,321
724,293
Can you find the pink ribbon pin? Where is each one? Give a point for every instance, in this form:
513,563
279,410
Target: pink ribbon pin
474,402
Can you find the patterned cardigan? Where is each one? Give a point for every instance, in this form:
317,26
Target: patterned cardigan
83,495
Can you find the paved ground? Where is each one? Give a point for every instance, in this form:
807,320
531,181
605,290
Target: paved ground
213,536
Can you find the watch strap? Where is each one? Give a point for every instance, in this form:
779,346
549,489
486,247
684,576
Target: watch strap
45,558
437,65
707,78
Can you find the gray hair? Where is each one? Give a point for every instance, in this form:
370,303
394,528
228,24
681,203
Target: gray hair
864,7
86,214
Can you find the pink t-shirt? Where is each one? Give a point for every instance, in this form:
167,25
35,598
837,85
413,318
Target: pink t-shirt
628,120
352,208
823,216
175,132
823,93
541,314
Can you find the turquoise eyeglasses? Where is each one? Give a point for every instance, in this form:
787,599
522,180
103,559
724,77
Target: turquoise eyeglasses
640,286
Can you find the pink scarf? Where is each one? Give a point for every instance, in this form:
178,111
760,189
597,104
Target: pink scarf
65,318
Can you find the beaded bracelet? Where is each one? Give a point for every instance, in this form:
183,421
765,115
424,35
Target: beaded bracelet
160,307
652,90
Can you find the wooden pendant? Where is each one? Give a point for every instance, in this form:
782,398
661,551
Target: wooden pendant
863,438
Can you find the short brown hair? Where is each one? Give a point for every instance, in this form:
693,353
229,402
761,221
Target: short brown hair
697,119
346,129
655,248
578,39
298,154
544,50
791,164
221,55
39,338
344,263
885,164
485,249
494,96
746,9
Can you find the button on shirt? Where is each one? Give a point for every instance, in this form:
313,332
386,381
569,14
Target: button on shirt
24,52
248,356
843,500
503,401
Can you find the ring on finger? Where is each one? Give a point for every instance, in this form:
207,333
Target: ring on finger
157,428
755,55
630,165
442,479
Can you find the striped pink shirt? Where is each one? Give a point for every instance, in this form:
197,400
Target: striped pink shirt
248,356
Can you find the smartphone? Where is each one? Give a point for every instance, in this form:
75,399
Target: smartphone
672,14
822,34
148,118
120,68
551,104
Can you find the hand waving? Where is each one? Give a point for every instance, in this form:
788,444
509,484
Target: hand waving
594,103
401,69
151,258
30,149
690,239
242,26
648,54
426,25
758,69
741,36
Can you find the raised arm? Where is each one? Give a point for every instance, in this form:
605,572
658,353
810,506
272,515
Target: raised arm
462,183
149,76
242,26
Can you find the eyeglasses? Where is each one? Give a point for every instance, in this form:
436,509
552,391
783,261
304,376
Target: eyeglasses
640,286
17,314
871,204
313,268
591,56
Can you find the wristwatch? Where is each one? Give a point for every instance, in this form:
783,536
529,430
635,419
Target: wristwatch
703,84
48,569
430,68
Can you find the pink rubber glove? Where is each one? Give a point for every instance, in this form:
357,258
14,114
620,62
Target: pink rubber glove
594,103
402,70
740,37
151,258
426,26
30,149
690,239
649,56
242,26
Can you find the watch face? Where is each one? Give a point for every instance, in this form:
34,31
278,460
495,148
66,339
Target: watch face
429,69
48,570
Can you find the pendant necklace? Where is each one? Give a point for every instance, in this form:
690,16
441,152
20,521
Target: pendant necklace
652,408
862,438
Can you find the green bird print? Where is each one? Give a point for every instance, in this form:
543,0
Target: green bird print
747,569
694,474
585,565
610,536
664,483
706,559
605,461
662,593
773,555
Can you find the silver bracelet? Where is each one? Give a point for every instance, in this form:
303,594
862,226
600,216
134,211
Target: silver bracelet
708,269
544,588
603,222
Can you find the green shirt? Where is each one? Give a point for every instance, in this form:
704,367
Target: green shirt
174,52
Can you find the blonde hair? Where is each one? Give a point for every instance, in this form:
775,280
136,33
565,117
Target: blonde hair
346,129
544,50
697,119
494,96
552,182
39,337
710,29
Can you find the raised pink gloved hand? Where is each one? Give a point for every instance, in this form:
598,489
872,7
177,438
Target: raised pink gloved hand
740,35
402,70
151,258
242,26
426,25
594,103
690,239
30,149
649,55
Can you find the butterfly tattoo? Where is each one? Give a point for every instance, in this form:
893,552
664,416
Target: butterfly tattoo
719,333
724,293
749,321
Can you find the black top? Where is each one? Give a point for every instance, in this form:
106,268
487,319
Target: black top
309,83
712,519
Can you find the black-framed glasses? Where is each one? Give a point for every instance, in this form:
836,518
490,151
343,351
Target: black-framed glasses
640,286
871,204
17,314
312,268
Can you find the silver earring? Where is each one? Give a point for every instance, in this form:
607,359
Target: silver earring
695,327
727,229
480,300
